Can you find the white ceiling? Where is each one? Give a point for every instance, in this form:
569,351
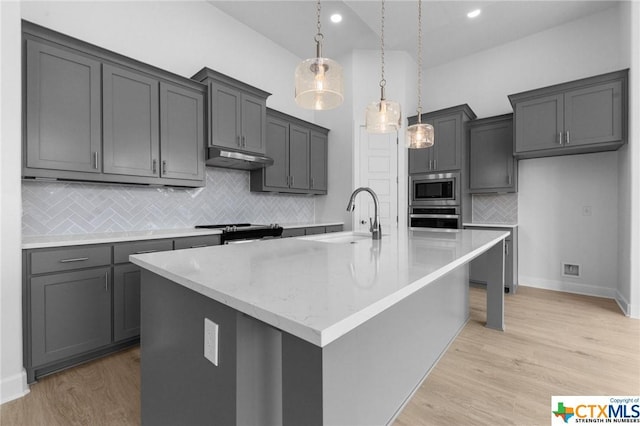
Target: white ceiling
447,32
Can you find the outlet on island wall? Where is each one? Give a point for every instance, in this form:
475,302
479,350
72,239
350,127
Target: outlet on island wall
62,208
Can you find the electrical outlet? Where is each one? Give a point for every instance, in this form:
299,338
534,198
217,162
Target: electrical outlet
570,270
211,341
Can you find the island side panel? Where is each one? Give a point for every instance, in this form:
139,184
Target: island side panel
366,376
495,286
178,384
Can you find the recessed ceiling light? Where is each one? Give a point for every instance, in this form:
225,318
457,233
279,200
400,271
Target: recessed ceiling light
474,13
336,17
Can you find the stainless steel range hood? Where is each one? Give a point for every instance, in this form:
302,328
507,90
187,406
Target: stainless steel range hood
232,159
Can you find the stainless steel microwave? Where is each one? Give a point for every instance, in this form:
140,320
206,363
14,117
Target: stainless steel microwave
436,189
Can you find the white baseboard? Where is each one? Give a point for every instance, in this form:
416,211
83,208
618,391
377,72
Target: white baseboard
13,387
568,287
623,303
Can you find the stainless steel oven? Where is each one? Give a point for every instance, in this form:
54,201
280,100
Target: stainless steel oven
435,217
436,189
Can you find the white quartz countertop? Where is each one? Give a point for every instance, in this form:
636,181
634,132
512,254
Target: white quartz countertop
314,289
46,241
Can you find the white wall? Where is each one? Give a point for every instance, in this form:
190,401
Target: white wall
12,376
552,191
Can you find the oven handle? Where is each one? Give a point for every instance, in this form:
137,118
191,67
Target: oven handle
434,216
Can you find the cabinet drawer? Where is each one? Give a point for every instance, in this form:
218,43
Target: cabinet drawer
70,258
193,242
295,232
121,252
333,228
315,230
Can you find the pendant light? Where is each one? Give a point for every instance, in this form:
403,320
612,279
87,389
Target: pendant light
383,116
318,81
420,135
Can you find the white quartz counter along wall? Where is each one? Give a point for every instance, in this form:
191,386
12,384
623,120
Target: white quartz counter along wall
57,208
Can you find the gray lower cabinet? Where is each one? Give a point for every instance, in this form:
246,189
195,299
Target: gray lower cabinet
492,167
299,150
582,116
94,115
478,269
63,118
71,314
196,242
448,151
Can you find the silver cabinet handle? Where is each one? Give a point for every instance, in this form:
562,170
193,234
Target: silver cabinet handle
244,142
567,140
154,166
509,179
164,167
95,160
106,281
76,259
559,138
238,141
291,180
145,251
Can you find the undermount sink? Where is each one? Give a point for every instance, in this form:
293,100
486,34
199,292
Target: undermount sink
339,237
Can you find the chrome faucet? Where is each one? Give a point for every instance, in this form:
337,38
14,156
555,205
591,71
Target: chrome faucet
374,227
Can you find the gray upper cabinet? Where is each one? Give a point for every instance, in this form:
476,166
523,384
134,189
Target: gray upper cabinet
299,152
62,109
318,152
94,115
181,133
492,167
237,112
131,122
448,151
587,115
299,157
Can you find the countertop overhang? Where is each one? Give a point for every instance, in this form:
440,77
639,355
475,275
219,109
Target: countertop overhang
315,290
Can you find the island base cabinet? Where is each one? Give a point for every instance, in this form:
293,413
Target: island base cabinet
268,376
71,314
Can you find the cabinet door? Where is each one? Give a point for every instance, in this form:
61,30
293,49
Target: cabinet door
71,314
62,109
254,115
491,157
448,143
277,175
539,122
298,157
225,116
126,301
130,115
318,161
593,114
181,133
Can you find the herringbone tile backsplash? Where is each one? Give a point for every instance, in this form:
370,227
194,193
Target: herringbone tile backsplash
495,208
59,208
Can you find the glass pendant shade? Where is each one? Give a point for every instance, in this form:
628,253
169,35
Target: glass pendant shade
383,117
420,135
319,84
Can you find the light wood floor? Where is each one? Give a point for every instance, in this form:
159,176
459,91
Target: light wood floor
555,344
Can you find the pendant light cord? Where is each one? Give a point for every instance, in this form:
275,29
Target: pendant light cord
319,36
383,82
419,109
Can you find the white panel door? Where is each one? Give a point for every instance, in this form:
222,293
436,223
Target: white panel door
378,171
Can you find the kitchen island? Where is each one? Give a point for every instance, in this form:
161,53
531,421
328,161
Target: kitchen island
332,329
